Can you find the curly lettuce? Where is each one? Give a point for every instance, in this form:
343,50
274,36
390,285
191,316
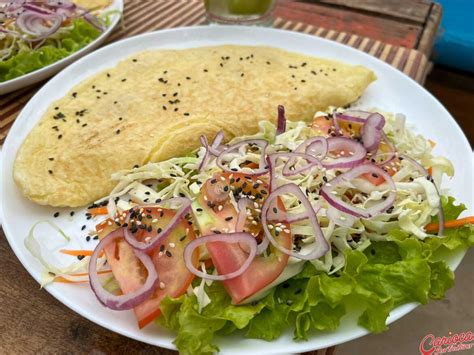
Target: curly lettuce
27,60
385,275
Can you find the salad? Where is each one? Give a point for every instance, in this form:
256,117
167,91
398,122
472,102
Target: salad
35,34
287,228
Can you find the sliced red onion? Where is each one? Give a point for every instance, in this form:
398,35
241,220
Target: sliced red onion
425,173
130,300
238,237
33,24
210,149
317,147
321,245
347,145
328,191
262,169
281,126
214,148
387,157
272,159
293,157
372,131
353,115
94,21
37,9
155,241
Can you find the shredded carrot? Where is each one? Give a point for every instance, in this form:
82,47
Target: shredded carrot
97,211
66,281
83,252
432,227
430,171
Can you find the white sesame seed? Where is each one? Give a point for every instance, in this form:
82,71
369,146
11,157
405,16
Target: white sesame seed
162,285
109,223
220,208
259,182
160,254
254,223
255,204
252,197
328,184
172,245
286,230
278,229
138,223
351,153
334,192
258,210
225,230
342,218
205,198
222,178
270,226
154,220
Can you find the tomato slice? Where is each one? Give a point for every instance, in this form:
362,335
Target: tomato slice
167,257
322,126
230,257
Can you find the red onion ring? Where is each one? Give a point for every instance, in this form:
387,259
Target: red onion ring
281,126
223,238
37,9
153,242
210,149
357,116
271,162
327,191
32,23
372,131
425,173
322,246
347,145
262,169
130,300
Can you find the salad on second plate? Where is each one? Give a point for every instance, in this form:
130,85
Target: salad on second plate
287,228
35,34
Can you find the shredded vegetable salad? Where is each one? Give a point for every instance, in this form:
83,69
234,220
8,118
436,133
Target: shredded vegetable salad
286,228
34,34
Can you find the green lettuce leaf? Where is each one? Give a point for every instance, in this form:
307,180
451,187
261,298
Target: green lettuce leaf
385,275
27,61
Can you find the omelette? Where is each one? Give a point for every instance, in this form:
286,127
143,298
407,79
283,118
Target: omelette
155,105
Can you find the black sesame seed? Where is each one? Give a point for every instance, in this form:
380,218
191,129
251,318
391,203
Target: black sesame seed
88,238
186,114
83,227
229,218
124,79
96,237
56,215
182,238
72,213
134,60
74,94
50,172
80,257
158,200
188,78
199,209
168,254
117,131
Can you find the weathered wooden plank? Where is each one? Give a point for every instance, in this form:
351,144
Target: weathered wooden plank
428,36
380,28
413,10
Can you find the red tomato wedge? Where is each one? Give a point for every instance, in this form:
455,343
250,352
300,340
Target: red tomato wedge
167,257
229,257
322,126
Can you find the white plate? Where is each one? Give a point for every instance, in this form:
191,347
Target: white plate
393,91
50,70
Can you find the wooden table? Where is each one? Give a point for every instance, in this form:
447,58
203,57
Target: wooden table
32,321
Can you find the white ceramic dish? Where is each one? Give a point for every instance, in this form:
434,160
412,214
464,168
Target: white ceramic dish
393,91
50,70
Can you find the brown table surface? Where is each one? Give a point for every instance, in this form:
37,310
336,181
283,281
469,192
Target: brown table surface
32,321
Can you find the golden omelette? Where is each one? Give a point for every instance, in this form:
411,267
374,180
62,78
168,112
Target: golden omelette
155,105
